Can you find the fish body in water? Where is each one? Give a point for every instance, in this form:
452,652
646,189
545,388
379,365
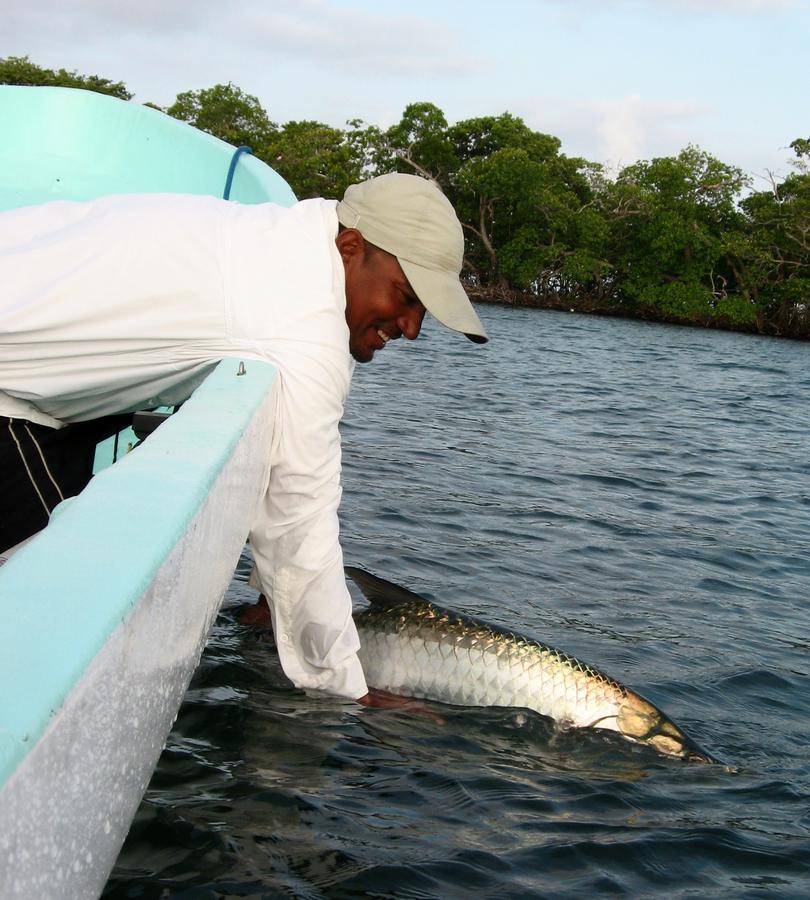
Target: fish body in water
412,647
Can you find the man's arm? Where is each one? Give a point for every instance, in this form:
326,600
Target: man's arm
295,538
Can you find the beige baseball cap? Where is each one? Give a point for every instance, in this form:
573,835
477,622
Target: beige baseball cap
409,217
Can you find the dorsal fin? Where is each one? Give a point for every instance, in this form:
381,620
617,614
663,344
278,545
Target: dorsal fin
378,590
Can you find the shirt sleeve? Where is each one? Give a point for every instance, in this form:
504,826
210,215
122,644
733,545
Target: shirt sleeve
295,539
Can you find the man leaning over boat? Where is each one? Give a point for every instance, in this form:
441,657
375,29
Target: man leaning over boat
129,301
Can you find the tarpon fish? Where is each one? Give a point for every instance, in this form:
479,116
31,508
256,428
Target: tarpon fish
411,647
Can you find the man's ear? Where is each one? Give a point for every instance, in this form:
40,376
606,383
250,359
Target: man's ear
350,244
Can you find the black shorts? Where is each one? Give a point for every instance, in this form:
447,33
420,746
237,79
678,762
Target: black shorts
40,467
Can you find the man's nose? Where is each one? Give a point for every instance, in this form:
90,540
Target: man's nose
410,324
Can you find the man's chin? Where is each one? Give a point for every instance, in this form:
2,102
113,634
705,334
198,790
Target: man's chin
361,354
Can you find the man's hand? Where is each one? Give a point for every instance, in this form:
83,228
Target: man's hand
386,700
258,614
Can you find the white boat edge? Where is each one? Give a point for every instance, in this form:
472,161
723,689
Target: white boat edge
104,617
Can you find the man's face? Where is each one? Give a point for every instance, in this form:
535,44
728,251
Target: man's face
380,303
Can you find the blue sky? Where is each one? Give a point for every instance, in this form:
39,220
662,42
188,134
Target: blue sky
615,80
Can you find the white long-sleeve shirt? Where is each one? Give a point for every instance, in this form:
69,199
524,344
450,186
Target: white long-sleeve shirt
124,302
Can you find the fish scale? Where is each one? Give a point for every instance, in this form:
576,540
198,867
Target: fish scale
483,672
412,647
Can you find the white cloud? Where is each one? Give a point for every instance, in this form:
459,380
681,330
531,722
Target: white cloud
81,20
374,44
632,128
619,131
615,131
319,32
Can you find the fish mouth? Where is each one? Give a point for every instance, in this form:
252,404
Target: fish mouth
640,721
693,754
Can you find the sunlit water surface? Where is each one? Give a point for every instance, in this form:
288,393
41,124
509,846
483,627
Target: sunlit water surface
638,495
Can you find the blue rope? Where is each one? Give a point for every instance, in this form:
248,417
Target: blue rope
232,168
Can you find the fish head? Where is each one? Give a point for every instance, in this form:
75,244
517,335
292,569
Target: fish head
640,721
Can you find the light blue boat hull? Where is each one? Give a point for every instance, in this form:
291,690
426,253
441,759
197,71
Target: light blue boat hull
65,144
103,616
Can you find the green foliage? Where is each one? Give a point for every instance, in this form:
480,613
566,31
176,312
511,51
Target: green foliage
315,159
520,200
226,112
673,222
500,196
774,259
420,144
678,299
20,70
485,135
685,301
369,148
737,311
417,145
801,147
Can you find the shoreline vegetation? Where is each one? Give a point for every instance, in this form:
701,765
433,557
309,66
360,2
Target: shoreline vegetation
680,239
795,325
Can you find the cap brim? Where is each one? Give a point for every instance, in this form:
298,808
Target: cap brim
445,299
